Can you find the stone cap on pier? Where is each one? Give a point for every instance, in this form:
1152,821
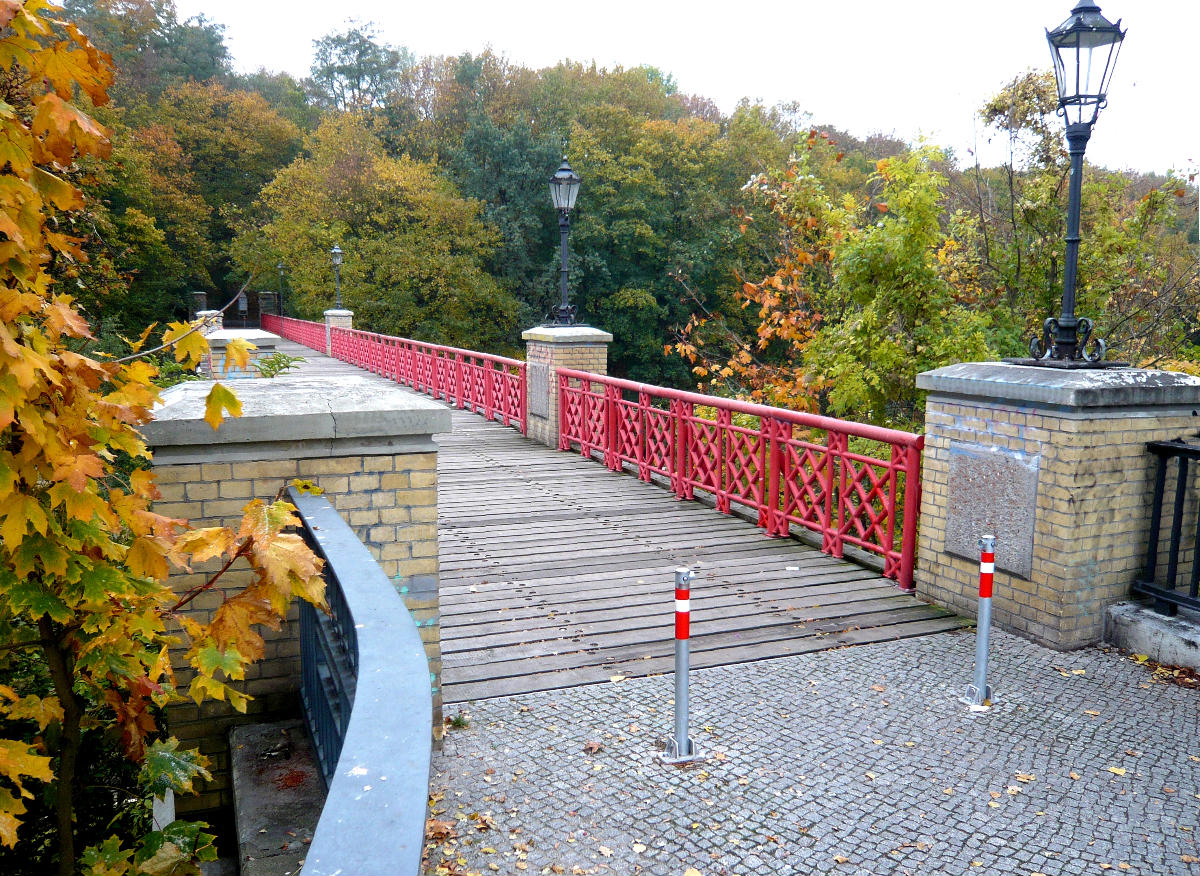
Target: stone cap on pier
292,417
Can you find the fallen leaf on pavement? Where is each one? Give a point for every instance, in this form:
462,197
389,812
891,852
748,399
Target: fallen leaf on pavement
606,851
617,677
593,747
1025,777
841,859
639,848
1117,771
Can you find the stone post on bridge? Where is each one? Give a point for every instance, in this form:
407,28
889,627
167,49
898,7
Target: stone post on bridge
214,320
369,447
548,348
1053,463
336,319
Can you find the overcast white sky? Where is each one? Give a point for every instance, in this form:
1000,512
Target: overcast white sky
908,68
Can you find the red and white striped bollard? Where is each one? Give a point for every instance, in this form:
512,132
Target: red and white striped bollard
979,694
680,747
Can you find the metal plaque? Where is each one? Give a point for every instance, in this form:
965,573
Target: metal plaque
538,375
992,490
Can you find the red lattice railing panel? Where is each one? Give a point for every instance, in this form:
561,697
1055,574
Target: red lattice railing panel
791,468
493,386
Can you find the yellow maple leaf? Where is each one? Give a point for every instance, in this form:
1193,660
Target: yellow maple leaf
220,399
237,354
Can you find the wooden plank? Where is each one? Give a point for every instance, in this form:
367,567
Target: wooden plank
481,662
456,692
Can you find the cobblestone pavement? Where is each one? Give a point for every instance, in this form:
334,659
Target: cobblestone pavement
858,761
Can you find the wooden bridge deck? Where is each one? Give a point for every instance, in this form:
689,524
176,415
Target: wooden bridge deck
556,572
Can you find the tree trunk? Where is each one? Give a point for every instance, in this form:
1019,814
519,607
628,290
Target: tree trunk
61,663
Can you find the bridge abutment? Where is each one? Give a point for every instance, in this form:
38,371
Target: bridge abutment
371,451
1053,462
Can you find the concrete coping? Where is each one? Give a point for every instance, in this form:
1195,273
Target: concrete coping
1002,383
333,311
295,416
567,334
262,340
373,820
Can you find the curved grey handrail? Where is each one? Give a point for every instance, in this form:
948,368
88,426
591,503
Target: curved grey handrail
373,821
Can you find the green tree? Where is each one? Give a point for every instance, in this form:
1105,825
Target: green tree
352,70
415,250
234,144
150,47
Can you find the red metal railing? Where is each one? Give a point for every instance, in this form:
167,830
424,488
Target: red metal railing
760,462
310,334
493,386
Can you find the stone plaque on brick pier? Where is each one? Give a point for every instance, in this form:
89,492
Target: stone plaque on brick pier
992,490
539,388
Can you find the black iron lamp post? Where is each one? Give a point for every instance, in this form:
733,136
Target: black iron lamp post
1084,49
564,189
335,256
279,300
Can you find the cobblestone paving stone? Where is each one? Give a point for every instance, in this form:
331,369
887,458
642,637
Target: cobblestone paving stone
858,761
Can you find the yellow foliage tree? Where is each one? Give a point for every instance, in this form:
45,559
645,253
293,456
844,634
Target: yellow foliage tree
83,557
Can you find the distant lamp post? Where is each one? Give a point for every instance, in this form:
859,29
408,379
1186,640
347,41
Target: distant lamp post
1084,49
279,300
335,255
564,189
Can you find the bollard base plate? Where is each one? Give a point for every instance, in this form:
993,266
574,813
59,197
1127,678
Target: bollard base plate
973,698
672,756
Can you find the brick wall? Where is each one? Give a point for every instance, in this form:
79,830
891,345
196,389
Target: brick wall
1091,522
391,503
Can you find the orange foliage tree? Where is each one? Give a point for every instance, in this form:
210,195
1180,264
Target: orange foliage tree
83,557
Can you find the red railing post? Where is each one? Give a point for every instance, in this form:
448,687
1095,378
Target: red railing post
912,509
612,426
686,411
772,514
721,474
458,379
564,388
835,495
523,394
642,436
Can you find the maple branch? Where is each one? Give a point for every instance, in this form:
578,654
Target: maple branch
207,585
30,643
134,356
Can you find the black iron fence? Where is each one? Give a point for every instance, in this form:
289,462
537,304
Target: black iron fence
1175,541
369,708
